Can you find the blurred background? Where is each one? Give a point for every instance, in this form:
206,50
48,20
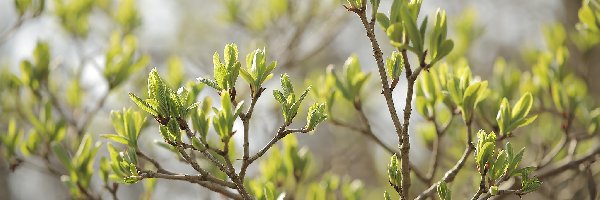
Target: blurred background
304,36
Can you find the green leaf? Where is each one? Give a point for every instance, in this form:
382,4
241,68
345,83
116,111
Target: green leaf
316,115
444,49
514,161
210,83
386,196
143,104
412,30
531,185
117,138
197,144
522,107
423,27
504,117
28,147
286,85
396,34
374,7
483,156
470,97
443,192
62,155
394,65
394,172
499,167
586,16
383,20
279,96
22,6
248,77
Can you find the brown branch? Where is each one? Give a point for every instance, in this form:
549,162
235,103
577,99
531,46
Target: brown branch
434,163
246,121
401,132
198,179
113,190
368,131
281,133
502,192
157,165
7,33
239,181
482,189
203,172
450,174
86,193
568,164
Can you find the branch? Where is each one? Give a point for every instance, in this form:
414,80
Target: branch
502,192
482,189
552,154
387,93
568,164
87,119
199,179
154,163
281,133
246,121
368,131
7,33
450,174
434,163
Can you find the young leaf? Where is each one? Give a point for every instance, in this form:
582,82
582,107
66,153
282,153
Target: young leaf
386,196
383,20
394,65
443,192
522,107
143,104
394,174
504,116
316,115
62,155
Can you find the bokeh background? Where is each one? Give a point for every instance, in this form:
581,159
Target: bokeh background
304,40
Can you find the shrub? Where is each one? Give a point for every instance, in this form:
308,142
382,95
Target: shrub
486,124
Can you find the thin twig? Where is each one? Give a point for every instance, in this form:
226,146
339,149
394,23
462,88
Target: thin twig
88,118
566,164
6,34
368,131
450,174
157,165
199,179
246,121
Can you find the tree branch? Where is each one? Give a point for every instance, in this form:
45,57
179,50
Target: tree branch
568,164
87,119
450,174
199,179
387,93
246,121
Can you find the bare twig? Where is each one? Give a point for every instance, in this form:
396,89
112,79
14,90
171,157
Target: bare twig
88,118
158,167
568,164
7,33
368,131
552,154
450,174
199,179
246,121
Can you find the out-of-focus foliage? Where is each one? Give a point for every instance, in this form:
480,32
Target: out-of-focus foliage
539,103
